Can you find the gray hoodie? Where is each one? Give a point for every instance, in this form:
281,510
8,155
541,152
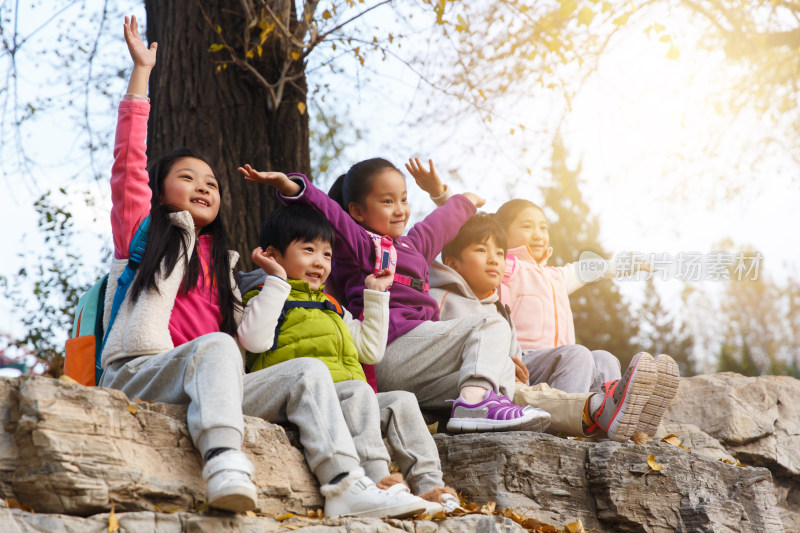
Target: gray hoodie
457,300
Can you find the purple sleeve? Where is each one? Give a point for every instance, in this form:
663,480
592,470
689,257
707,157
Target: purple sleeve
440,227
353,244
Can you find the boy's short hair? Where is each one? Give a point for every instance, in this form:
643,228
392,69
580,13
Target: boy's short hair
478,228
289,223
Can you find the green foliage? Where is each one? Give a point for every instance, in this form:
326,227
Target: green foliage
662,333
45,292
739,359
603,319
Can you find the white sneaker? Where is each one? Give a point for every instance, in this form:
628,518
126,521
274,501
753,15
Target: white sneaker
403,493
357,495
450,503
228,482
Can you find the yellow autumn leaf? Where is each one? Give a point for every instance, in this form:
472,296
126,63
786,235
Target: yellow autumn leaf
283,517
66,379
250,513
260,50
659,27
301,107
622,19
326,14
665,39
113,523
480,92
674,52
641,438
575,527
216,47
607,7
512,131
654,466
462,24
672,439
295,56
133,409
568,7
586,15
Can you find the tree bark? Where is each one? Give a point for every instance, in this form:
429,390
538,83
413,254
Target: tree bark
223,112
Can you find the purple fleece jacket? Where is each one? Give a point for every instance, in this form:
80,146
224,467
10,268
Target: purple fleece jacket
354,254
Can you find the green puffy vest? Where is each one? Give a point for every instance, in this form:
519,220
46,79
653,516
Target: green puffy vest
310,333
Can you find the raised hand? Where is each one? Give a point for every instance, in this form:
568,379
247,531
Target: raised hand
475,199
141,55
279,180
380,281
267,263
427,180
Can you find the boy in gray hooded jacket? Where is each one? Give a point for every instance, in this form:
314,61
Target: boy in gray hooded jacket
468,283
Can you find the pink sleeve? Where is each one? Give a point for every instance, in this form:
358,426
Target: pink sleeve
130,192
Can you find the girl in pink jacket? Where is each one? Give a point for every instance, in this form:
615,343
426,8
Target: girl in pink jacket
537,296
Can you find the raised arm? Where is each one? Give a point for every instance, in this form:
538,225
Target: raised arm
130,192
144,59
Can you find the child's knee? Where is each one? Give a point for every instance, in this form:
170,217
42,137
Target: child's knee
220,348
578,355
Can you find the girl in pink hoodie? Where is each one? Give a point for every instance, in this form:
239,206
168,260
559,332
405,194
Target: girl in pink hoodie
538,298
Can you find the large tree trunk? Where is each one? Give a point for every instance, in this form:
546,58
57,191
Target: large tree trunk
224,113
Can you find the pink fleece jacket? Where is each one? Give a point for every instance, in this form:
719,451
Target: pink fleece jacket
538,296
197,312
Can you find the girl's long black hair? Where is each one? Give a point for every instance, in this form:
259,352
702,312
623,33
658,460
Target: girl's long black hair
355,185
165,242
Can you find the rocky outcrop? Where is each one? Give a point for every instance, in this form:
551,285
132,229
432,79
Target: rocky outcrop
755,420
72,453
610,486
76,450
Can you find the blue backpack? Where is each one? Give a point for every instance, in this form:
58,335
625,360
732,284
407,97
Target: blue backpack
84,348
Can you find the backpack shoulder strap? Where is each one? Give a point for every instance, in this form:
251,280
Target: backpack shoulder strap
385,254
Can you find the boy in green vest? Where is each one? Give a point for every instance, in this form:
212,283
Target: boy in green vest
288,316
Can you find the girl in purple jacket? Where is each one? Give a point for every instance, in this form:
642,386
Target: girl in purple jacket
458,360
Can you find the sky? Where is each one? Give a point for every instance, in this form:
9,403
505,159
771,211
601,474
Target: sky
640,128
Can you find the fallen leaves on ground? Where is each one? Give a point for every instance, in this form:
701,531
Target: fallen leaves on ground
734,463
113,523
654,466
641,438
12,503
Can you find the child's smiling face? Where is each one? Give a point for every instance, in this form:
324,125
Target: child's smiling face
306,261
529,228
385,210
190,186
482,265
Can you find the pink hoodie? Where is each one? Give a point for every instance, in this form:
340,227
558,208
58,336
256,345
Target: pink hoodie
538,296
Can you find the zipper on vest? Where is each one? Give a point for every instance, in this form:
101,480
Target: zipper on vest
341,345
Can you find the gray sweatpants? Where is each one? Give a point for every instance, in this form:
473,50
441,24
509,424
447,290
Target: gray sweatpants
436,360
207,374
395,415
571,368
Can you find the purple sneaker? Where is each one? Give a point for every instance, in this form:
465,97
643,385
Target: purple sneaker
495,413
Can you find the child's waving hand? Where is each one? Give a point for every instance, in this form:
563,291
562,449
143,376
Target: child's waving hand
141,55
267,263
427,180
380,281
279,180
